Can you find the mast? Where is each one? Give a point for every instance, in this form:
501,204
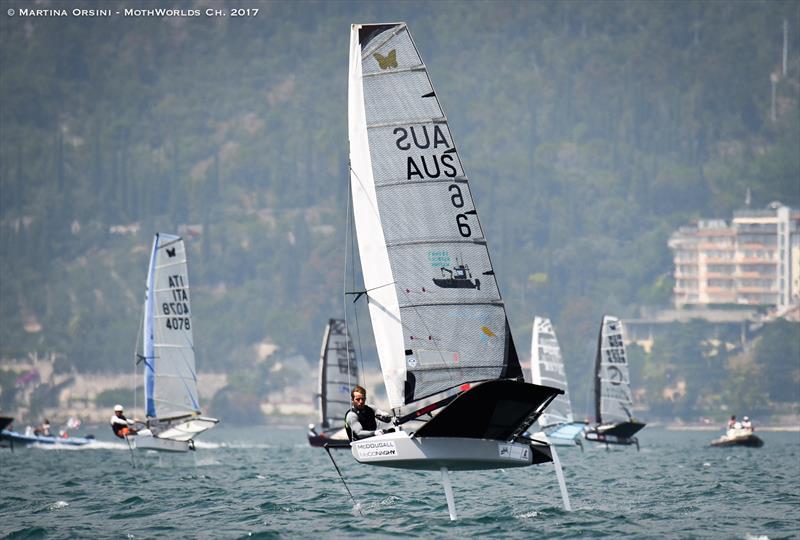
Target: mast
147,335
598,386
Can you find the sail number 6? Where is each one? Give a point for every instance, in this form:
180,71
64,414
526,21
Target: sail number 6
461,219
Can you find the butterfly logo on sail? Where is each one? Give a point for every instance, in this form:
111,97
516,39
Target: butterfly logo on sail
388,61
171,252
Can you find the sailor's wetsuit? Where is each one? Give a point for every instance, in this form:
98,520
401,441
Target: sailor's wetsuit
361,424
121,426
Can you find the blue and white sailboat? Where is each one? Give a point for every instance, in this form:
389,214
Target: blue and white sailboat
547,368
174,417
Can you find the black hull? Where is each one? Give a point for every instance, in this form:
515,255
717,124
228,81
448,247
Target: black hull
620,434
748,440
320,441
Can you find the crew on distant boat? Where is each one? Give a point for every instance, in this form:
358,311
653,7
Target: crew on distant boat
747,424
44,429
732,421
360,420
121,425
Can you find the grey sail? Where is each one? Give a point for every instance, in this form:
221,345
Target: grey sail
547,367
613,400
338,372
437,314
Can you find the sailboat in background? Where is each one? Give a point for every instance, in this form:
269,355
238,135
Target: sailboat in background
547,367
612,389
174,417
445,348
338,372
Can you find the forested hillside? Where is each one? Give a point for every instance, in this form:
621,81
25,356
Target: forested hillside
589,131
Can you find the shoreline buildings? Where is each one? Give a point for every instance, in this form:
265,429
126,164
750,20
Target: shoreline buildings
754,260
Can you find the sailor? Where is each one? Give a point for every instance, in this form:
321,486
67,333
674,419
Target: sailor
732,421
44,429
746,424
359,422
121,425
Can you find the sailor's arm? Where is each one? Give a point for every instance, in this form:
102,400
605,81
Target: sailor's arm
355,426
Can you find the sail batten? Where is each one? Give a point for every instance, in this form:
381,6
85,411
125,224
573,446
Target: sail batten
410,122
418,228
395,71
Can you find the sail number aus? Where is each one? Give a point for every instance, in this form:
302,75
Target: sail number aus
435,166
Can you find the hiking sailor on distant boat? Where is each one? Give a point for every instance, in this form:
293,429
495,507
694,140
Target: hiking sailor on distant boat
360,421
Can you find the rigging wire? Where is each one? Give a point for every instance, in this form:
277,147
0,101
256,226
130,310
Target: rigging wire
136,357
349,235
344,289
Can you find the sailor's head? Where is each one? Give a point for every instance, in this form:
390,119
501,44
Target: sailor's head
118,409
359,397
746,418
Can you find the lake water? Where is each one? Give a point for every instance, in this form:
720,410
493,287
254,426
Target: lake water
268,483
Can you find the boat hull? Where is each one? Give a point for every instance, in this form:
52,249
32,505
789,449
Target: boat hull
25,440
621,433
566,434
146,442
743,440
336,438
402,451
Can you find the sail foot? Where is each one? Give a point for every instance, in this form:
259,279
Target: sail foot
500,410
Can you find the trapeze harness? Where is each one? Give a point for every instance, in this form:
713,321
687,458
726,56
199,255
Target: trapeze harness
120,425
366,417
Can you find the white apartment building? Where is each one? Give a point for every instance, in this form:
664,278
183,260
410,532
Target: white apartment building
753,261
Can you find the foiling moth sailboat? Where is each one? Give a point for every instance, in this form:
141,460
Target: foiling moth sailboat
547,367
612,389
442,347
338,371
172,406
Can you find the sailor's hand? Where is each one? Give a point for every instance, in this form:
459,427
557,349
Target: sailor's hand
378,432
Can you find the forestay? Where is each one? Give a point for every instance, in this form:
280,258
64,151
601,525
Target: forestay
169,375
547,368
338,371
436,310
613,400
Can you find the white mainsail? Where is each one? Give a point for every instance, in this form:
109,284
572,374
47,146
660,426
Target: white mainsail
613,400
338,372
170,376
547,367
436,310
